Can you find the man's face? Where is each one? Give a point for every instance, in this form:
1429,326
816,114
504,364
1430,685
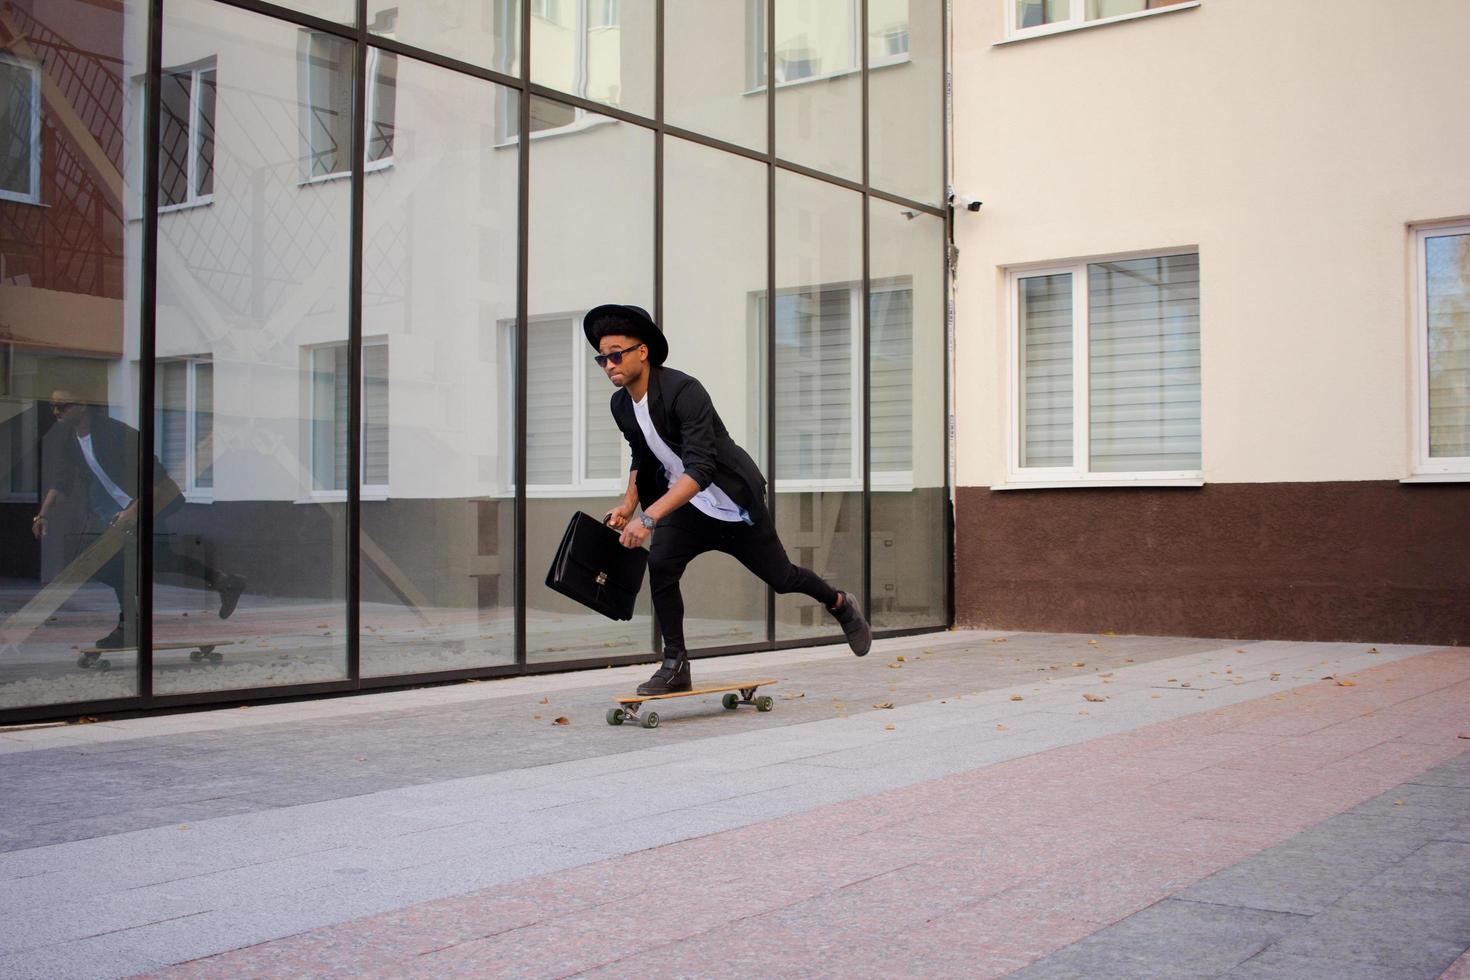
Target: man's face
631,364
65,408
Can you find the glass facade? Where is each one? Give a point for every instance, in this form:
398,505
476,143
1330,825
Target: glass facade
295,300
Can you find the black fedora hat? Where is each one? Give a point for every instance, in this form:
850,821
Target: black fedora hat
638,324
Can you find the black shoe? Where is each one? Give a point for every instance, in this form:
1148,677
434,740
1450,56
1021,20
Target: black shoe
671,678
113,640
854,626
229,594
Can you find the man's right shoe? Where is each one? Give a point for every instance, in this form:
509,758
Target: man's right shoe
229,594
854,626
671,678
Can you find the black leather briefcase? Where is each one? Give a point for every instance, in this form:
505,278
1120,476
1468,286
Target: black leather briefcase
594,569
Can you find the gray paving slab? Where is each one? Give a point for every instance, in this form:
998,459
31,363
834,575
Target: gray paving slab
1376,891
1173,939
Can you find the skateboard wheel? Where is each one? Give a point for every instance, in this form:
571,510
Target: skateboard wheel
214,658
730,700
84,661
615,716
650,720
764,703
104,665
196,655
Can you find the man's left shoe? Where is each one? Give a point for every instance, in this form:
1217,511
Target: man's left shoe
854,626
671,678
229,594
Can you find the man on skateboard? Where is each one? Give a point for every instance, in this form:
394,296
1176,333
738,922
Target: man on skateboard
701,490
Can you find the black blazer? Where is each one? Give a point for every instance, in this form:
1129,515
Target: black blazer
115,444
685,418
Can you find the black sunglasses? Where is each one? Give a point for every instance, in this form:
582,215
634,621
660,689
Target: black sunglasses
58,408
615,356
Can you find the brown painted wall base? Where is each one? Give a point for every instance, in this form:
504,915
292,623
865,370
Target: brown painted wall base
1365,561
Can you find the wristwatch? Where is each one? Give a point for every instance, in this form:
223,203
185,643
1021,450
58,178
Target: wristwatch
646,521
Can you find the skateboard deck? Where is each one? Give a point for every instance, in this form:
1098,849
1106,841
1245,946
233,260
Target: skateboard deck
630,705
92,659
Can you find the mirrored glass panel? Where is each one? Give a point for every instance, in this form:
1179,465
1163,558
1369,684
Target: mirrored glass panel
439,277
819,92
342,11
715,68
906,98
254,378
481,32
818,392
68,352
601,50
591,242
906,395
714,287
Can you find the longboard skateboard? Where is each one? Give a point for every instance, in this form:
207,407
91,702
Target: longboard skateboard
92,659
629,705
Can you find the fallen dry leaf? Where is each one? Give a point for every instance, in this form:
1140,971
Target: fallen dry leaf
544,701
1275,676
1155,696
1093,642
1016,697
1398,802
889,728
535,717
997,639
1171,680
1372,649
1128,660
1347,683
1463,735
1184,683
563,720
1093,697
896,666
899,658
792,695
884,704
1078,663
1000,728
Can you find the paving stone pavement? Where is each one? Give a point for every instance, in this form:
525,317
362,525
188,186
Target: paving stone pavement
1036,802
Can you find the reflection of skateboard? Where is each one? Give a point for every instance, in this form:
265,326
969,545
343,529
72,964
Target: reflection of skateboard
92,659
630,703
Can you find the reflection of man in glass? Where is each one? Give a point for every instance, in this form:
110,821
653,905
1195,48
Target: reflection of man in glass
683,455
98,457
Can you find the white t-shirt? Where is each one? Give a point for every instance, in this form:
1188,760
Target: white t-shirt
113,490
711,501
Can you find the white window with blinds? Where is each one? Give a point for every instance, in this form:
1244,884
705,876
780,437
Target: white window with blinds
573,447
184,424
819,385
1105,372
1442,351
20,129
329,408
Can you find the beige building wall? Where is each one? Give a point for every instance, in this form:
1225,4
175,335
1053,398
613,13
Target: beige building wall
1293,142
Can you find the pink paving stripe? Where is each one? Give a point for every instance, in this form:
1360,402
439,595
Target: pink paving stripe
978,873
1459,970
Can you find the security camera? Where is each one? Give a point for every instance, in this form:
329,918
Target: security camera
961,201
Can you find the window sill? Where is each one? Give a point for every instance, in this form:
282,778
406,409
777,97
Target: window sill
612,489
198,496
373,167
887,62
1051,30
34,202
1438,478
586,122
340,496
199,202
1068,484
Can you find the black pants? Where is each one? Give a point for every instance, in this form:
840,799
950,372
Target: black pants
688,533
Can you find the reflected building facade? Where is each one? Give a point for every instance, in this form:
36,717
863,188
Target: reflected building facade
314,277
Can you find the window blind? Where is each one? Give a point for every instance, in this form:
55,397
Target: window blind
1046,370
1144,364
549,435
375,414
891,406
814,385
1447,261
173,419
605,457
204,424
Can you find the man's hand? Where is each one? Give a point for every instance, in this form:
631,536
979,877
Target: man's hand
126,517
38,527
634,535
619,516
